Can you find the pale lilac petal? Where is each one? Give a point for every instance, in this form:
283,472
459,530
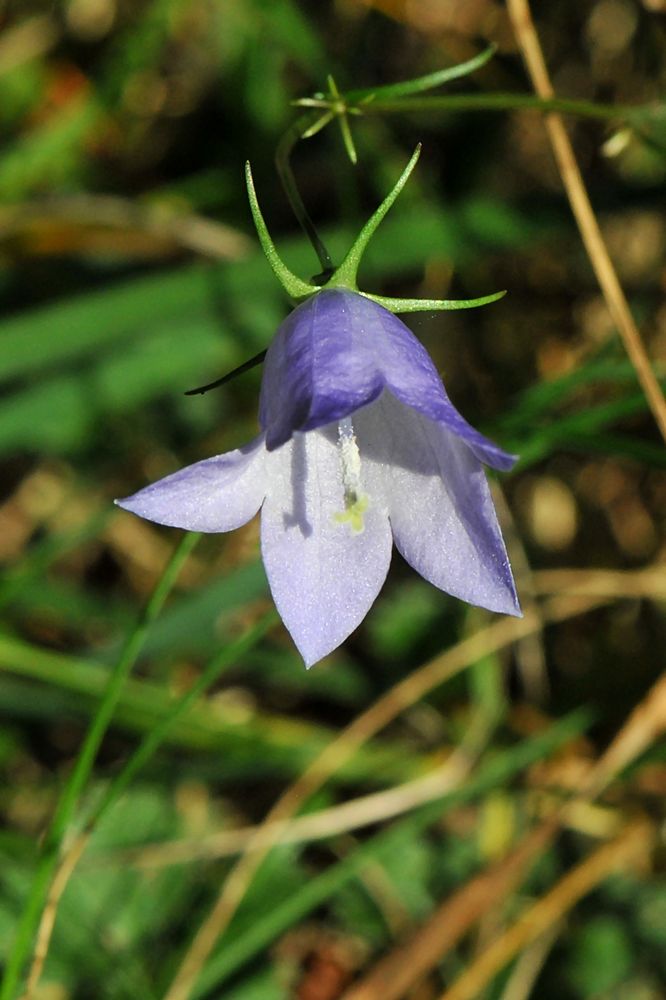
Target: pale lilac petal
440,507
324,576
218,494
335,354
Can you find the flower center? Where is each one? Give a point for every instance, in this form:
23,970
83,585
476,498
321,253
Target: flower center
356,503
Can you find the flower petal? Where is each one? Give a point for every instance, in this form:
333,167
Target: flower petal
218,494
335,354
324,576
440,507
319,367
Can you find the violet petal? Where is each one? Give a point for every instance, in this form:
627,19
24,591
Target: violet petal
318,369
441,511
324,576
218,494
335,354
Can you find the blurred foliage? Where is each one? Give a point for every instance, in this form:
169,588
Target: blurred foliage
130,273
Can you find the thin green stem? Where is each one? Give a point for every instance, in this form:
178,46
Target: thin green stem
158,733
502,102
301,127
62,818
487,102
126,661
69,860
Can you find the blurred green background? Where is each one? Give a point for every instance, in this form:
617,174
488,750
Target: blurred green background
129,273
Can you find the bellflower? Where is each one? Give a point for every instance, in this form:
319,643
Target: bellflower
360,447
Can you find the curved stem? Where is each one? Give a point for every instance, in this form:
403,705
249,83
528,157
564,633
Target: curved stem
285,146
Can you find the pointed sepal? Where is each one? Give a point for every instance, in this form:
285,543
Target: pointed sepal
295,287
318,125
340,109
431,305
345,275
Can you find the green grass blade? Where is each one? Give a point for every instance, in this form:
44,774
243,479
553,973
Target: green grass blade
237,949
67,803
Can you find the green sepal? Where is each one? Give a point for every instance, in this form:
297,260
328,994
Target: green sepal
318,125
340,110
428,305
295,287
345,275
352,101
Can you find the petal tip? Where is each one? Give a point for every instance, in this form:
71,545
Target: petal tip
515,611
508,603
313,652
275,439
508,460
311,661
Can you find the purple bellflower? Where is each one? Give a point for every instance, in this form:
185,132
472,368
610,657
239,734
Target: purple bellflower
360,447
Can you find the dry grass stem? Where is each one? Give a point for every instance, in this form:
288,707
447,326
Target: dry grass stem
443,930
635,841
278,826
384,710
345,818
649,582
394,975
529,653
180,229
645,725
529,965
383,805
61,878
528,41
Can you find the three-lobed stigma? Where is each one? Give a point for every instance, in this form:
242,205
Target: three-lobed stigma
353,514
